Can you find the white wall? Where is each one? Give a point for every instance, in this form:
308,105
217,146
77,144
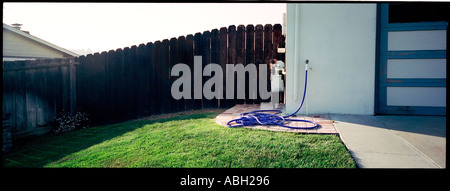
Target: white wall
339,42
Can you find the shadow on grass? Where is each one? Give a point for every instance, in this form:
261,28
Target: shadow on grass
45,150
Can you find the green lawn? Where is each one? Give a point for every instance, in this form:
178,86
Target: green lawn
182,141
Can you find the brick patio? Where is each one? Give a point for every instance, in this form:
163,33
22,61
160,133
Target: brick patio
325,123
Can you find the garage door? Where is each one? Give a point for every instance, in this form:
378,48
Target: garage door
412,64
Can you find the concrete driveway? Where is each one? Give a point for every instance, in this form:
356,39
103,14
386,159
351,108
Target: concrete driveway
394,141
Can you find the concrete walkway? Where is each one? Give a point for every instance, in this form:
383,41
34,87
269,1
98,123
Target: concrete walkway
394,141
325,124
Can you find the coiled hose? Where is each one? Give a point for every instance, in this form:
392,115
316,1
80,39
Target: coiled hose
271,117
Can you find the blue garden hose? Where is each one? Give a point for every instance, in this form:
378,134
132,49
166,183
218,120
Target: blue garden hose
271,117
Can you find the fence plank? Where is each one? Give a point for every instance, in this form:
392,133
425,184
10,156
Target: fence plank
240,59
30,97
48,102
86,94
80,79
141,82
20,98
9,93
206,59
259,55
215,45
111,65
198,48
50,93
231,83
181,58
83,84
268,55
103,87
150,99
100,87
223,60
156,52
250,59
130,78
65,87
40,101
125,77
165,73
57,78
189,49
133,68
73,88
173,60
91,82
119,82
276,37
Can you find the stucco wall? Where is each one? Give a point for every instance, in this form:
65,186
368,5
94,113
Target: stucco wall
339,41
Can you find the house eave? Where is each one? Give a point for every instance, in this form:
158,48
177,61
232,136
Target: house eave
26,35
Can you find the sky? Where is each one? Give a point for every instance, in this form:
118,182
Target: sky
108,26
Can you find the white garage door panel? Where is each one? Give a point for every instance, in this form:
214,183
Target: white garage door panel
417,40
416,96
416,68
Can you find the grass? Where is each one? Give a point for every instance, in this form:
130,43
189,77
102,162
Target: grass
183,141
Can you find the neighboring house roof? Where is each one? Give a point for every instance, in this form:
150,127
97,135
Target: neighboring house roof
37,40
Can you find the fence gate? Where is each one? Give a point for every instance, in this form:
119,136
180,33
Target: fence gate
412,63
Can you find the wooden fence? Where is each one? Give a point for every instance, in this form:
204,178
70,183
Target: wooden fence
135,81
34,92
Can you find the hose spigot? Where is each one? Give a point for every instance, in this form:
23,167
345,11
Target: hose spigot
306,64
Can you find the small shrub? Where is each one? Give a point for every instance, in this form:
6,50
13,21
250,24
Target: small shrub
70,121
